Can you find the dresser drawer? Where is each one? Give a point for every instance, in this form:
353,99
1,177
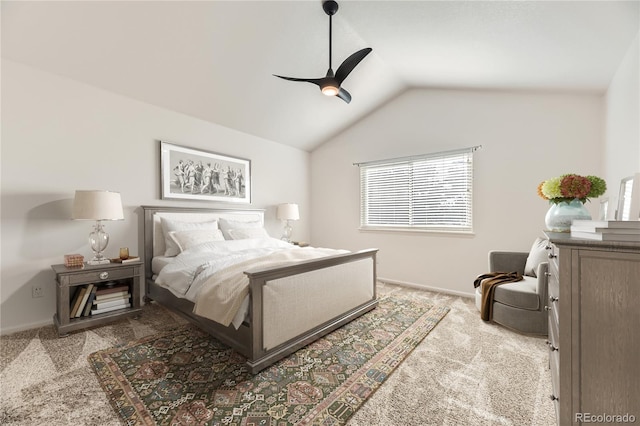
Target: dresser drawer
553,285
553,302
553,263
97,276
554,365
553,257
553,332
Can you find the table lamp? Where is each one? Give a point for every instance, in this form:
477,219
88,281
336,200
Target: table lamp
98,206
287,212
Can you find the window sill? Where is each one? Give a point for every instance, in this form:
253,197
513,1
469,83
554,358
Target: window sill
412,230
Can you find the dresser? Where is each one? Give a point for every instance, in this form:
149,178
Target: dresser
594,330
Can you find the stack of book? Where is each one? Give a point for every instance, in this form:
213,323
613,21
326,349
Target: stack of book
80,305
130,259
109,299
606,230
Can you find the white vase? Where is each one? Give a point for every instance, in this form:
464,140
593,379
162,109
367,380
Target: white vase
560,215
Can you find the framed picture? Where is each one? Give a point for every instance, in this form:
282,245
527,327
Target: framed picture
604,213
194,174
629,198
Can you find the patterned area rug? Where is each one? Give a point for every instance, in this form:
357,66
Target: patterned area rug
187,377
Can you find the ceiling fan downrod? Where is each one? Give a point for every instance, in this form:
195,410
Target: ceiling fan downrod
330,7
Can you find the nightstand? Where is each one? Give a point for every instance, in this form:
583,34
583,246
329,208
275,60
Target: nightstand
69,281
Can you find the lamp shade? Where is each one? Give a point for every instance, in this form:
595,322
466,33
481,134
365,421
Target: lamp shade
97,205
288,212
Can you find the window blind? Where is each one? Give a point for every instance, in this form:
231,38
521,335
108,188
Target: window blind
423,192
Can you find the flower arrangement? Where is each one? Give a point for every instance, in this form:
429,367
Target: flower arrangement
571,186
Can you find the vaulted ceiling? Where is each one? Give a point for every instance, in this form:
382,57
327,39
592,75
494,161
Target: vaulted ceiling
214,60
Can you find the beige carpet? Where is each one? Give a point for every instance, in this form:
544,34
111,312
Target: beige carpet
466,372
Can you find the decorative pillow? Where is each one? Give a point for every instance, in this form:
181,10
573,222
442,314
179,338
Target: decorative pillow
227,224
537,255
169,225
243,233
193,237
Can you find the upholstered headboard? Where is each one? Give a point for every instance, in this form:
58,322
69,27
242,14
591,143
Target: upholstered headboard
153,234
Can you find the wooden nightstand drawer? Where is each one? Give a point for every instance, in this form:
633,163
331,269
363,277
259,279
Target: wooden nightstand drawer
97,276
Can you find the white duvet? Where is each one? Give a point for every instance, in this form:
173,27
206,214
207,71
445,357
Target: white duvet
205,274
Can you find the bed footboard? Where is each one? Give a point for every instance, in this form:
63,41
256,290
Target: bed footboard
294,305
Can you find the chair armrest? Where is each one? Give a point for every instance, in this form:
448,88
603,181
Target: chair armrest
507,261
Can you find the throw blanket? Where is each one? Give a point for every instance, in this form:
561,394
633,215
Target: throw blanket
223,292
489,282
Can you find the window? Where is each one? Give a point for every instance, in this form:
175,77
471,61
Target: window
431,192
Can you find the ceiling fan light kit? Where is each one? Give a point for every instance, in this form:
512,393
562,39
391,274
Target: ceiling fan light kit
330,85
330,88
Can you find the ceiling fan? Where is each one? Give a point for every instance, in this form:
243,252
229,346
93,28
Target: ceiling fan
330,84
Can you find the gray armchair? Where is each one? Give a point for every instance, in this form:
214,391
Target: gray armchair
519,305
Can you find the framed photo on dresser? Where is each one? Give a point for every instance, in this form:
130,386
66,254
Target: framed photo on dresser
629,198
195,174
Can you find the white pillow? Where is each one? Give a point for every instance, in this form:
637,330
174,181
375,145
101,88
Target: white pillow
193,237
244,233
537,255
169,225
227,224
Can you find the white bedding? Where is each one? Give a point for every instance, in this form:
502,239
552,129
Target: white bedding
198,270
159,262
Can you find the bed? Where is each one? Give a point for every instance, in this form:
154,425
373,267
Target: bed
286,307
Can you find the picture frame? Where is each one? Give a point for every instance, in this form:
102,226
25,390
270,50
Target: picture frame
604,213
629,198
195,174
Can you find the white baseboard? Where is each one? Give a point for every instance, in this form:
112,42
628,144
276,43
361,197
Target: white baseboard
31,326
426,287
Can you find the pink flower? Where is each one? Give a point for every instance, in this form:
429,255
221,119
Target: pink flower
575,186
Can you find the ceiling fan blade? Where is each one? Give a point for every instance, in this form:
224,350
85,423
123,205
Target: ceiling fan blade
350,63
316,81
344,95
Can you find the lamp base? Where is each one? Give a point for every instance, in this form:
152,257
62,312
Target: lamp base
286,232
98,262
98,239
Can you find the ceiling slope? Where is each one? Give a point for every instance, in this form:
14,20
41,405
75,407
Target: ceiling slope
214,60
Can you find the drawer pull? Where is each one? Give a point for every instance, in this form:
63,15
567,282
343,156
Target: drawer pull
547,308
551,347
552,256
104,275
554,398
553,299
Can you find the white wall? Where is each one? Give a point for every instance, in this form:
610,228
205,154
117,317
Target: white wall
622,148
59,135
526,138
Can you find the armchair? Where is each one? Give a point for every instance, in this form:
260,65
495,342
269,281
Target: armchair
519,305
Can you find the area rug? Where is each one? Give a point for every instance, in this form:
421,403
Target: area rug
187,377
